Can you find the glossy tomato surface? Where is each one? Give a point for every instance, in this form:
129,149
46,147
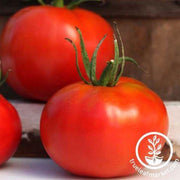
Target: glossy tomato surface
33,45
93,130
10,130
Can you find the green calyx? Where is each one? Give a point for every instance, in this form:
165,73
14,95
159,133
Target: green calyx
113,69
3,79
71,5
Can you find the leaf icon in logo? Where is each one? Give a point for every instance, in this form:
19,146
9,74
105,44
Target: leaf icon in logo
159,147
150,147
158,152
150,141
154,138
157,141
150,152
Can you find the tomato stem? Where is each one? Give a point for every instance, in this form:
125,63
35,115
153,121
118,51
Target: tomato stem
3,79
41,2
123,56
58,3
113,69
76,3
86,60
93,63
77,64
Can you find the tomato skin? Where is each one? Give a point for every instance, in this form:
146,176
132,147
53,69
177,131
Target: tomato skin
92,130
33,45
10,130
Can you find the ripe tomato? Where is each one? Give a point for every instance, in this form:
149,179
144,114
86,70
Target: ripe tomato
91,129
33,45
10,130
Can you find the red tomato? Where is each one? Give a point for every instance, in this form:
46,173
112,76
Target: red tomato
10,130
33,45
93,130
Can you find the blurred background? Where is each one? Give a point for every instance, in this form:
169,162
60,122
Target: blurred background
151,34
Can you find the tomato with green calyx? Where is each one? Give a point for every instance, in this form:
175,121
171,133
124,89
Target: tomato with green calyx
91,128
33,45
10,128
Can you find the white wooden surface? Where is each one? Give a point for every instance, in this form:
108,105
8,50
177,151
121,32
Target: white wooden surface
46,169
30,114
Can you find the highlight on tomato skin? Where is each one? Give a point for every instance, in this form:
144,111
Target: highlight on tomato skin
91,128
10,130
10,126
33,45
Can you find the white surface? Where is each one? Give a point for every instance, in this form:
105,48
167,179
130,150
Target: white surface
37,169
30,114
173,109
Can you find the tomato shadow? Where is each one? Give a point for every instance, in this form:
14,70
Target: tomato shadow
5,166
